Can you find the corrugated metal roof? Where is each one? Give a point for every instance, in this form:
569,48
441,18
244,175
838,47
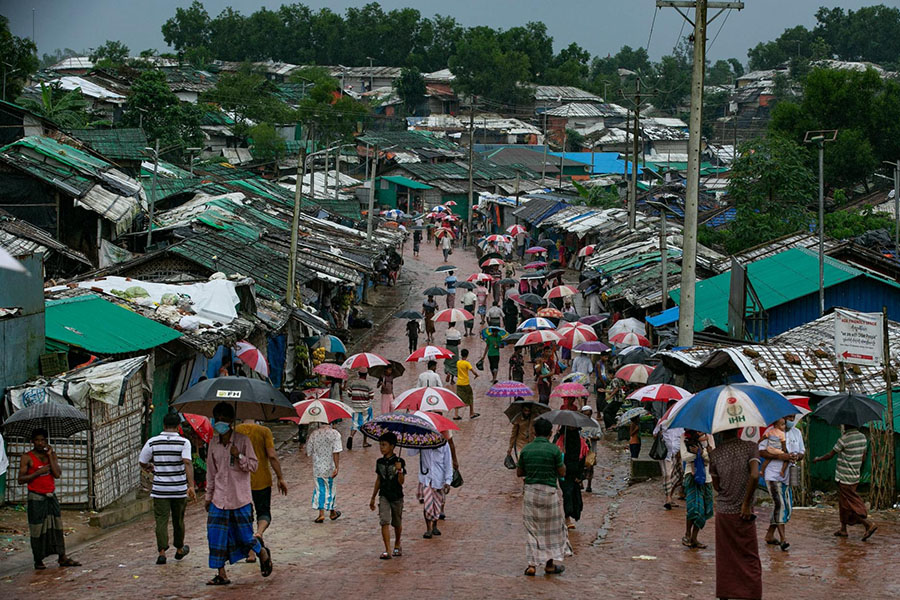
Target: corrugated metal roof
605,163
406,182
96,325
409,140
564,93
20,237
117,144
575,110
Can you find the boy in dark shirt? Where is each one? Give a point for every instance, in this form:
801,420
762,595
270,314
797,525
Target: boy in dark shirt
390,473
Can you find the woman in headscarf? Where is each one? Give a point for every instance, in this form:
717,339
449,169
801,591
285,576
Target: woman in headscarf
695,447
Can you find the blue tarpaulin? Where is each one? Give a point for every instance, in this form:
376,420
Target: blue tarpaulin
664,318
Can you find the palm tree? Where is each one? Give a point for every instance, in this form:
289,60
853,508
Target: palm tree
65,109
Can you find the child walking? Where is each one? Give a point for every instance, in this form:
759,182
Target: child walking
390,473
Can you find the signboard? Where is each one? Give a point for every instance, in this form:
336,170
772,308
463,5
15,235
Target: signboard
858,337
228,393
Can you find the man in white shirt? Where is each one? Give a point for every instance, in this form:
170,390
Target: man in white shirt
777,475
672,471
435,475
469,301
430,378
582,363
495,315
446,245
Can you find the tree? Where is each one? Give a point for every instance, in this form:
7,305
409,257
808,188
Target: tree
19,60
673,78
483,68
250,96
267,145
153,106
569,67
411,89
871,33
189,28
532,41
65,108
48,60
328,115
111,53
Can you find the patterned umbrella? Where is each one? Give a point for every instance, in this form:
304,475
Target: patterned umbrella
363,360
536,250
200,424
591,348
330,370
569,390
575,336
331,344
638,411
659,392
426,353
561,291
252,357
320,411
439,209
411,431
453,315
548,312
479,277
731,407
630,339
538,264
634,373
535,323
586,251
509,389
439,422
428,398
538,337
496,238
577,377
493,262
494,330
60,420
516,229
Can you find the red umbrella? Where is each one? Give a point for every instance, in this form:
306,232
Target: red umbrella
493,262
536,250
480,277
364,360
634,373
200,425
450,203
330,370
538,337
428,398
320,410
453,315
561,291
659,392
496,238
252,357
516,229
538,264
440,422
442,231
586,251
630,339
573,336
571,389
429,353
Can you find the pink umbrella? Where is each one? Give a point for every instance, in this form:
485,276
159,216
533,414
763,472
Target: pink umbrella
659,392
200,425
428,398
629,339
364,360
509,389
453,315
316,393
561,291
516,229
430,353
493,262
573,336
538,264
440,422
586,251
479,277
536,250
538,337
634,373
330,370
320,411
496,238
571,389
252,357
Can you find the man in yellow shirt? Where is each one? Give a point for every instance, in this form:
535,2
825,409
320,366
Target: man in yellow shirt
463,388
261,479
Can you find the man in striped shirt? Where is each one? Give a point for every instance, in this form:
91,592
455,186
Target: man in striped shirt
851,450
361,395
168,457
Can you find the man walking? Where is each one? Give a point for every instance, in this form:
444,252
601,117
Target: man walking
168,457
229,526
464,370
492,341
435,475
430,378
541,464
469,300
324,446
261,479
851,450
362,395
446,245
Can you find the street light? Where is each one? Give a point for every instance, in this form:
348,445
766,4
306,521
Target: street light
819,137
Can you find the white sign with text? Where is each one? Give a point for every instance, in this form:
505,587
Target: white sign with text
858,337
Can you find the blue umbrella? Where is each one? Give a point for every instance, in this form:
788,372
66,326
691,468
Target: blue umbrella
731,407
331,344
393,214
535,323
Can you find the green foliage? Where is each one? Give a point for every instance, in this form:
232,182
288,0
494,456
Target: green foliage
843,224
267,145
250,96
597,196
198,56
189,28
574,141
484,67
48,60
19,60
152,105
332,117
411,89
65,108
110,53
570,67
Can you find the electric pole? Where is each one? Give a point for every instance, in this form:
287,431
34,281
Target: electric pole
370,216
295,223
153,193
689,234
819,138
637,98
471,166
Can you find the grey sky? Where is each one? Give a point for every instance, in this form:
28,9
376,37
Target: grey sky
600,26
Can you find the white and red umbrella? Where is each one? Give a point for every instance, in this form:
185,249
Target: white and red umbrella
479,277
450,203
426,353
442,231
629,325
316,393
252,357
755,434
320,410
586,251
659,392
634,373
561,291
538,337
428,398
516,229
200,424
573,336
440,422
493,262
453,315
364,360
330,370
629,339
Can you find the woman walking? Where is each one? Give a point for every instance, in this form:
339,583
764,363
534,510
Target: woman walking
695,447
386,383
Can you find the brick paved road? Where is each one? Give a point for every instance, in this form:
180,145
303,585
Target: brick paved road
481,553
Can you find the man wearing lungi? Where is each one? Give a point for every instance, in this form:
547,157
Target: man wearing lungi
541,464
851,450
435,475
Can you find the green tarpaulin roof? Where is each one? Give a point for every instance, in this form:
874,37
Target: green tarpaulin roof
92,323
117,144
405,182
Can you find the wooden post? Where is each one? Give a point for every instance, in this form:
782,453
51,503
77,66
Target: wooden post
883,474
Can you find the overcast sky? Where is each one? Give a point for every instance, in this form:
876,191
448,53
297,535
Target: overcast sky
600,26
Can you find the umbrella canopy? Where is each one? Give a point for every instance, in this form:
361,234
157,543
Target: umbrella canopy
591,348
397,368
490,255
849,409
514,337
426,353
570,316
536,250
450,203
331,344
439,422
561,291
567,327
634,373
629,339
516,229
201,426
508,281
569,418
435,291
532,299
394,214
538,264
660,392
630,355
538,337
534,276
439,209
549,312
509,389
443,268
514,410
409,314
593,319
731,407
60,420
569,390
442,231
628,325
363,360
575,336
631,413
252,357
465,285
453,315
320,411
535,323
577,377
330,370
586,251
411,431
252,398
496,238
428,398
9,263
315,393
479,277
494,330
493,262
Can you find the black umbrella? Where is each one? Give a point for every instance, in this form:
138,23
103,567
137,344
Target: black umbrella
535,275
849,409
490,255
569,418
555,273
466,285
515,337
435,291
508,281
532,299
409,314
378,370
514,410
571,317
546,243
60,420
252,399
443,268
639,355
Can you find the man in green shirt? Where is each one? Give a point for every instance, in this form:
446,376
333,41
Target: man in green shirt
851,450
541,464
492,341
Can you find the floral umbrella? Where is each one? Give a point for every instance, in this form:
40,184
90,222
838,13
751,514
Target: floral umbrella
569,390
509,389
548,312
411,431
330,370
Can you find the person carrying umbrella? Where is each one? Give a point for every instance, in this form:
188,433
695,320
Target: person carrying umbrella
454,337
591,436
324,446
447,244
575,451
510,314
492,339
390,473
417,241
450,284
412,333
429,307
469,301
465,370
851,450
671,465
229,524
38,470
361,396
435,475
522,432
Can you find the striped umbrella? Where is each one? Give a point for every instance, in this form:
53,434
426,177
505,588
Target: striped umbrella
561,291
509,389
535,323
629,325
453,315
59,419
479,277
538,337
320,411
252,357
426,353
496,238
450,203
586,251
363,360
630,339
569,390
516,229
574,336
659,392
440,422
635,373
493,262
428,398
330,370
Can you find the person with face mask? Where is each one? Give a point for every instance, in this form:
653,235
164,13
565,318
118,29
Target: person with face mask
781,461
229,526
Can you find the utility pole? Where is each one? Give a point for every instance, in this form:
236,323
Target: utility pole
295,223
369,217
153,193
562,156
337,172
663,251
689,234
546,143
819,138
471,165
636,132
896,167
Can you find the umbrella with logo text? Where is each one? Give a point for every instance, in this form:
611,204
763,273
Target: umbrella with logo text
426,353
428,398
731,407
253,399
320,411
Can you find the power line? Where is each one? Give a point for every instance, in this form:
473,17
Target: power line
650,37
725,20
